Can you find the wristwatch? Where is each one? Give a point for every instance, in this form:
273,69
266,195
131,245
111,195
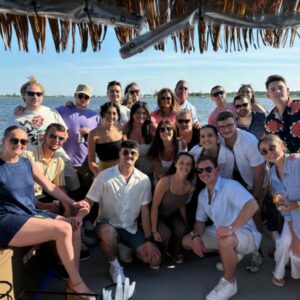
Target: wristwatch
230,228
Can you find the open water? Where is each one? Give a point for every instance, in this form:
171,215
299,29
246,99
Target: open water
204,106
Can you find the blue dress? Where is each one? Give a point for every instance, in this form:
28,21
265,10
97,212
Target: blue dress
17,200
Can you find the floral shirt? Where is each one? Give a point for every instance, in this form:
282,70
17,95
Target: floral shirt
286,127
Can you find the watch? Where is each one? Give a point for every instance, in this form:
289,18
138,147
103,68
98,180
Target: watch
230,228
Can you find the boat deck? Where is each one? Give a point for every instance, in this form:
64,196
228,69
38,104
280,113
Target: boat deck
192,279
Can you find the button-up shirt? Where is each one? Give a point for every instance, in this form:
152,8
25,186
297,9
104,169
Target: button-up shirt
228,199
289,188
287,126
119,201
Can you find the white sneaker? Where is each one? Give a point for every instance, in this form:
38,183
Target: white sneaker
125,253
114,272
219,265
223,290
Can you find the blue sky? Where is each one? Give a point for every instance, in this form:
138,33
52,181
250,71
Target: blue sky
152,70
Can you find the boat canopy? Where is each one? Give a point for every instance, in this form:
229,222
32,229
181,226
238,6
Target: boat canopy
231,25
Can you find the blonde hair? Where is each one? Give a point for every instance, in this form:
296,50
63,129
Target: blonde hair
32,81
183,112
271,138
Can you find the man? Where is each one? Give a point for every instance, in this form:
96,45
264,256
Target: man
34,118
247,119
233,233
182,93
123,193
249,170
114,94
218,95
284,118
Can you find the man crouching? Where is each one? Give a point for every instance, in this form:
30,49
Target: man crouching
231,208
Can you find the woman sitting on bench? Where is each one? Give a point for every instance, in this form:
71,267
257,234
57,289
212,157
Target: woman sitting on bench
21,224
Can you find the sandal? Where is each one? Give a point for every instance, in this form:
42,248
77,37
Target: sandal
75,295
178,258
278,282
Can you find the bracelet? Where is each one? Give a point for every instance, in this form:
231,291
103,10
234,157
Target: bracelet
195,236
148,238
298,203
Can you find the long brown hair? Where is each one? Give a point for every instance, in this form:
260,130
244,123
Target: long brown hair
174,104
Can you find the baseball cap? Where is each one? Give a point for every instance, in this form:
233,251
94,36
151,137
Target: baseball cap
85,89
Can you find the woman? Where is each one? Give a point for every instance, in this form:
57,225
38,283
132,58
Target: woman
285,187
209,145
167,106
247,90
105,140
140,129
164,148
134,91
186,130
21,224
168,210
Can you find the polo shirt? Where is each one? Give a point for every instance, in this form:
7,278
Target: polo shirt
228,199
119,201
289,188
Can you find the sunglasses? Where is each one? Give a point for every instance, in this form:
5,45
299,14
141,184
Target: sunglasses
126,152
201,170
83,96
165,98
163,129
216,94
15,141
240,106
56,137
31,94
264,151
134,92
183,88
183,121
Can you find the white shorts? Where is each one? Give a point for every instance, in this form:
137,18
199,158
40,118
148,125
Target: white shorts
246,242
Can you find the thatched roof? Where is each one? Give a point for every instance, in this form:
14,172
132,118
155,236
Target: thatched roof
228,24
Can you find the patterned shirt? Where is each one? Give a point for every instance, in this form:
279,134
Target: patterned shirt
286,127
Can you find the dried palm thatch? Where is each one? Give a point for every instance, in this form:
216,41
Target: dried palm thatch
229,24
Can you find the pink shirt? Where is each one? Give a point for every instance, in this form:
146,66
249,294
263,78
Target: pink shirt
212,119
156,117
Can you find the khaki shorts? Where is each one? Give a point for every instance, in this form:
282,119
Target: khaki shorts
246,242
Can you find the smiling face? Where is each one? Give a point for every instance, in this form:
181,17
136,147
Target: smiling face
278,92
182,91
128,156
54,139
246,91
185,122
207,172
135,93
272,150
110,116
218,95
33,97
114,93
166,132
184,165
82,100
16,141
140,116
227,128
208,138
165,101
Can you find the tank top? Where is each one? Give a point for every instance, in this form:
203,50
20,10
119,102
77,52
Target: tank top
108,151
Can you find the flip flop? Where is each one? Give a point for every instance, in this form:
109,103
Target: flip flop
278,282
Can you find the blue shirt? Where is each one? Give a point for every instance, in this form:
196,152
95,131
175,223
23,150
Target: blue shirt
289,188
225,206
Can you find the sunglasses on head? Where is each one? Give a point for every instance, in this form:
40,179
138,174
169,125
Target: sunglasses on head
15,141
165,98
201,170
264,151
56,137
134,92
240,106
163,129
183,88
83,96
216,94
126,152
31,94
183,121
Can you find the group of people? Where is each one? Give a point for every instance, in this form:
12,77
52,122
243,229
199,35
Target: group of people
154,183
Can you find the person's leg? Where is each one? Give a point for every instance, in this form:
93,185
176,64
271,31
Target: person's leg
37,230
178,230
165,234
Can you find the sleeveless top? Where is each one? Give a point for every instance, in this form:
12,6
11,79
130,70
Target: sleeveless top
108,151
172,202
16,188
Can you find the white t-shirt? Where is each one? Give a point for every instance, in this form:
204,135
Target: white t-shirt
36,122
187,105
119,201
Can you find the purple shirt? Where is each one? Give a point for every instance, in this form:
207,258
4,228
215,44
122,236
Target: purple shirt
76,119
